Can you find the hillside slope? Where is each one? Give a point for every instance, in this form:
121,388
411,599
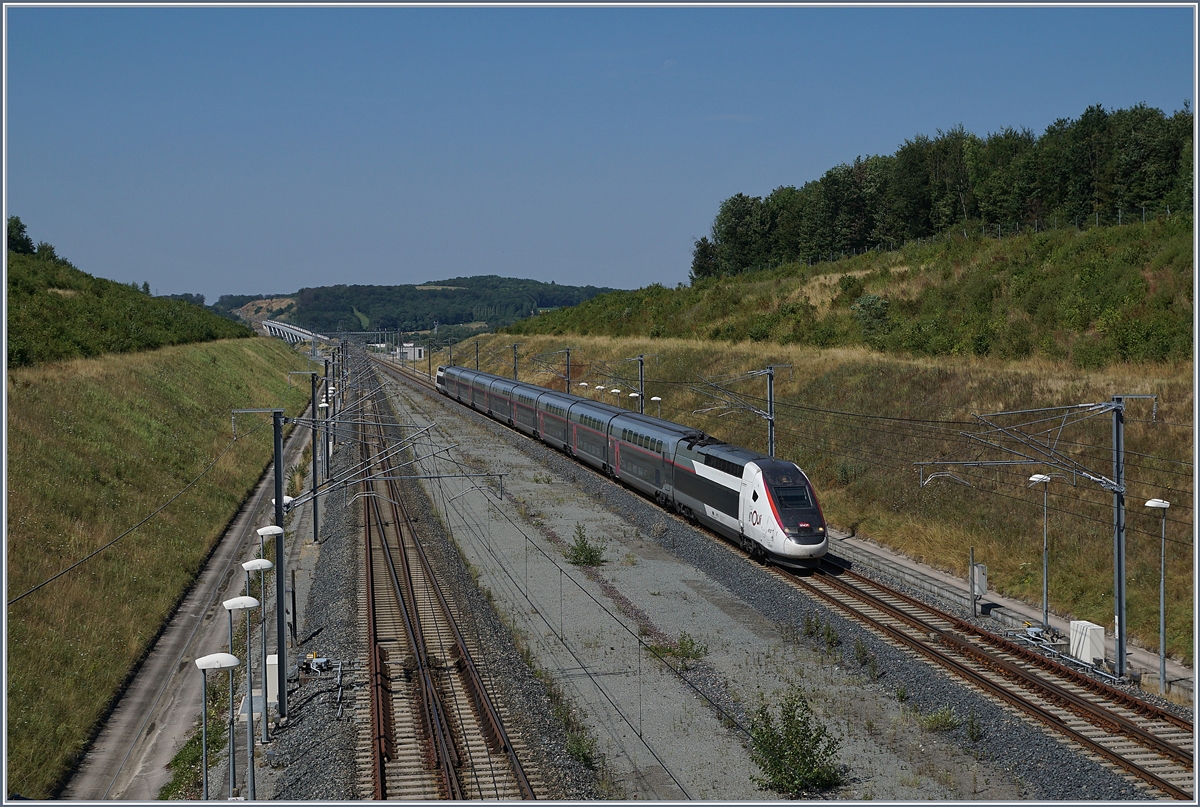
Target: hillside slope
57,312
94,447
857,421
1094,297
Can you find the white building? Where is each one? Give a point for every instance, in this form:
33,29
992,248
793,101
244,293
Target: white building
410,352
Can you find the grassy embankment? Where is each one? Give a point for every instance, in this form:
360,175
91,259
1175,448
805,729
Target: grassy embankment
95,446
1092,298
907,410
57,312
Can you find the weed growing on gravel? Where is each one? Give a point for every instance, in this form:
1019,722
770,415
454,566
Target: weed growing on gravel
797,753
975,731
687,649
943,719
583,552
866,658
811,624
582,747
901,693
831,638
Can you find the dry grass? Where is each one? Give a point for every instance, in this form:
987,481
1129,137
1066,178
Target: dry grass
94,447
864,472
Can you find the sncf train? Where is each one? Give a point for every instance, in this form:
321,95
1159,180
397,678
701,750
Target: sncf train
766,505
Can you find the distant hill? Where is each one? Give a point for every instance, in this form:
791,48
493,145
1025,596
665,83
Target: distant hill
1095,297
487,301
57,312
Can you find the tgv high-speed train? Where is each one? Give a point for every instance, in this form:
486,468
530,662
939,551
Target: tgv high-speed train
767,505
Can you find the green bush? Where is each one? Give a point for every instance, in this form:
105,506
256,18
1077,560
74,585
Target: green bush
583,552
795,753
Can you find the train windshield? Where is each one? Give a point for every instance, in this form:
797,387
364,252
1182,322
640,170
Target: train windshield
793,498
789,487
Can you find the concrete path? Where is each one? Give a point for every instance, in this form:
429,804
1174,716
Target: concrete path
154,717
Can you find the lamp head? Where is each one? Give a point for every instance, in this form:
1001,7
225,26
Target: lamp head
258,565
1038,479
272,530
1158,504
217,661
238,603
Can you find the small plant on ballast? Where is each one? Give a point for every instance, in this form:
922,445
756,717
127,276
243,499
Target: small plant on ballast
583,552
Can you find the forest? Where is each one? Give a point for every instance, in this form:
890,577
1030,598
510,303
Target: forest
496,301
1104,168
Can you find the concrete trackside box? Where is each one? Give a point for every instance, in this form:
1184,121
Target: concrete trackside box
1087,640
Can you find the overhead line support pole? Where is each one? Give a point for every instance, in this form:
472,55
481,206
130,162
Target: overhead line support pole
641,385
1119,530
315,454
771,412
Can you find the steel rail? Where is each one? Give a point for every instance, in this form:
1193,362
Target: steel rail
1072,675
1082,707
485,710
992,687
486,713
378,743
442,751
445,753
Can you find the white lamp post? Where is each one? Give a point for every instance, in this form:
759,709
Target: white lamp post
658,401
241,604
633,395
617,396
324,407
583,384
1044,481
1161,505
262,566
213,661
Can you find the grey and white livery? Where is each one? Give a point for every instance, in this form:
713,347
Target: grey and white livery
766,505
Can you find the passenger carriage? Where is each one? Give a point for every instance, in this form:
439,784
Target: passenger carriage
766,505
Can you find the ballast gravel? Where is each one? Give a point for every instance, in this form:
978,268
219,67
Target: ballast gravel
642,725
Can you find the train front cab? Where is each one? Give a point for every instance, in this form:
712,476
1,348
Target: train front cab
781,514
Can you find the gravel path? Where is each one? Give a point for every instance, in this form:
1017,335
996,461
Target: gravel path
637,726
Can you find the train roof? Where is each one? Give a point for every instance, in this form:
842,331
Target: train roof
732,452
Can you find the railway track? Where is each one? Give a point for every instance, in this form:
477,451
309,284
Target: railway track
435,729
1151,744
1130,735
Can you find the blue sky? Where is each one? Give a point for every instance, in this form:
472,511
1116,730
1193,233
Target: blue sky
261,150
